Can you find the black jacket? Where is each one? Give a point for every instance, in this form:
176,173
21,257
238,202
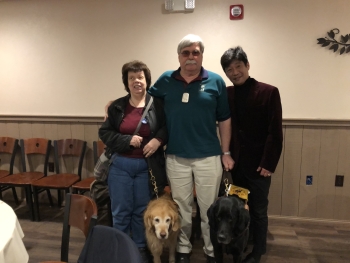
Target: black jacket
120,143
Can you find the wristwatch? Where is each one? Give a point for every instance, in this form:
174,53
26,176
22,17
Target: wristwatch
226,153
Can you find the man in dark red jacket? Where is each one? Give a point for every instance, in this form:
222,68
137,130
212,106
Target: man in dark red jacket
256,141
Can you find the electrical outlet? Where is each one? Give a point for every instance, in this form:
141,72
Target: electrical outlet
51,167
309,180
339,180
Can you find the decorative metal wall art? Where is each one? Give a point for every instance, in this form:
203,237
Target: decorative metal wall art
344,47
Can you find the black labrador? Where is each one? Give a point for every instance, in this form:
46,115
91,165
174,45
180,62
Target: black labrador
229,226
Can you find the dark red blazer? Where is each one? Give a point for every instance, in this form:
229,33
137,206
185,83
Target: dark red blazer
258,140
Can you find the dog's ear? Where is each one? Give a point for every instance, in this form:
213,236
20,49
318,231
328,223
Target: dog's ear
147,220
211,215
242,220
175,221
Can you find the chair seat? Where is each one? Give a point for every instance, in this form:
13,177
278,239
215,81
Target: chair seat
4,173
22,178
57,181
84,184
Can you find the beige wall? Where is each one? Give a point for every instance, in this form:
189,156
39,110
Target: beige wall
64,57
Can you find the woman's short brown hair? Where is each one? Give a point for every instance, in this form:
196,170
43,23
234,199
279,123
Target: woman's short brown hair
135,66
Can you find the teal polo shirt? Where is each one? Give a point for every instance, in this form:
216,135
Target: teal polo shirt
192,125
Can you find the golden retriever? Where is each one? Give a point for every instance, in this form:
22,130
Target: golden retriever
162,225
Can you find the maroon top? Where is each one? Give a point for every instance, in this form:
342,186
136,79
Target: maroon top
128,126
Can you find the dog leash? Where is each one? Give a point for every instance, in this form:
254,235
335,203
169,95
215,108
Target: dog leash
153,181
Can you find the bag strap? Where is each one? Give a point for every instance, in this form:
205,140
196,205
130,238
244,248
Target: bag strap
143,115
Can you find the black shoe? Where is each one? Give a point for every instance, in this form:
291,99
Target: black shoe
182,257
145,255
210,259
251,258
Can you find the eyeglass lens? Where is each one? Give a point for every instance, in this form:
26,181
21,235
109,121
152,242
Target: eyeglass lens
186,53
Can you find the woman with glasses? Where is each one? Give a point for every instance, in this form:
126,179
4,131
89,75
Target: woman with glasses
128,179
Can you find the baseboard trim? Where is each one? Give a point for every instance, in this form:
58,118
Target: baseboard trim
319,220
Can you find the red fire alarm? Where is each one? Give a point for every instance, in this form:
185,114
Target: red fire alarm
236,12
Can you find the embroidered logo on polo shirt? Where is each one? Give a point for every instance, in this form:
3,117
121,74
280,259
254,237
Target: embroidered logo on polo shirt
202,87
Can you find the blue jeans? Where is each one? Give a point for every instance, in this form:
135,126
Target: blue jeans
129,191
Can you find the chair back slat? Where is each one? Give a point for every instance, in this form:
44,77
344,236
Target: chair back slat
9,145
70,147
35,146
80,212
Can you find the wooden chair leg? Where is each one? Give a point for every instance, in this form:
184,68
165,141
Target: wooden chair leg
29,200
36,204
15,195
49,196
59,199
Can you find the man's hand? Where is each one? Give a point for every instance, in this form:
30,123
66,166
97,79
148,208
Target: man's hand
106,109
264,172
228,162
136,141
151,147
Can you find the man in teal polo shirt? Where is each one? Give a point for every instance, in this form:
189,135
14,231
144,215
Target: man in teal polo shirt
194,100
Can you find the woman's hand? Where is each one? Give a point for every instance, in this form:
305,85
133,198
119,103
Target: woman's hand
136,141
151,147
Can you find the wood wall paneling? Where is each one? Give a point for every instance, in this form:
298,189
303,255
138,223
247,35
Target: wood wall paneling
342,194
275,194
310,156
291,170
327,170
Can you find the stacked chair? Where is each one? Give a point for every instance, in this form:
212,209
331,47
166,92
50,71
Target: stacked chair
35,152
67,151
84,185
8,146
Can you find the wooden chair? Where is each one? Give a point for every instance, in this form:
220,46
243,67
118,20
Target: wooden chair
31,149
81,212
9,147
84,185
65,148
